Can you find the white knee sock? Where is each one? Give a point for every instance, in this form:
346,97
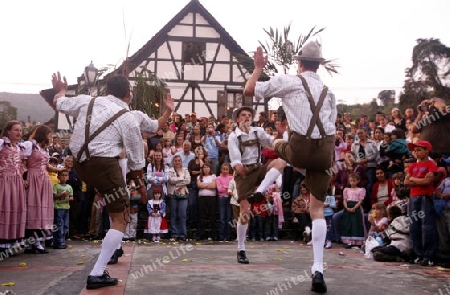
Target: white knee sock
319,233
241,231
112,239
269,179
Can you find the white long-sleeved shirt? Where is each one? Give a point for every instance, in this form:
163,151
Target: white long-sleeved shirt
250,155
296,104
124,132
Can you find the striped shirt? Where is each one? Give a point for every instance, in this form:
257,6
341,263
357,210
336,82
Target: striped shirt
124,132
295,103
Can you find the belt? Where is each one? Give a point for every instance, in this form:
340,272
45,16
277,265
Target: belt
98,158
304,136
251,165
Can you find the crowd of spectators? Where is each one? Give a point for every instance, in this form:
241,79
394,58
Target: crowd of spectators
187,168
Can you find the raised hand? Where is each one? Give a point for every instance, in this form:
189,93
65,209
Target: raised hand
58,83
259,59
169,102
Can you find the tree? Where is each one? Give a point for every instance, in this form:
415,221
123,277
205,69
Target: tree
386,97
148,92
429,74
7,113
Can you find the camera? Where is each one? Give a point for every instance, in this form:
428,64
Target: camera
424,107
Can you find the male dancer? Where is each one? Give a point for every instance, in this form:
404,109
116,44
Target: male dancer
311,113
244,146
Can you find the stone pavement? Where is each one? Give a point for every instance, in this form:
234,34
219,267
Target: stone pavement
211,268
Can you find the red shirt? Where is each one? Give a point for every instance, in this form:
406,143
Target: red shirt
419,170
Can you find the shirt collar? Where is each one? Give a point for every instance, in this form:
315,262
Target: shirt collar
311,75
239,132
118,101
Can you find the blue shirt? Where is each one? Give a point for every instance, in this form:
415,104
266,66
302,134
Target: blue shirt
185,159
212,147
328,211
444,188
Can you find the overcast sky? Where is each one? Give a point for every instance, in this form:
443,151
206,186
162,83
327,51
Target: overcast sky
372,41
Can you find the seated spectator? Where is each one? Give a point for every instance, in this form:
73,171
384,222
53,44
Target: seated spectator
378,221
382,189
399,245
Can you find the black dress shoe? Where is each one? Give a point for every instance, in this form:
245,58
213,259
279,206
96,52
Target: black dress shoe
119,252
60,247
95,282
242,258
115,258
48,243
31,250
256,197
318,283
40,251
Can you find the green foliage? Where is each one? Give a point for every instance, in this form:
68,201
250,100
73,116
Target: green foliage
148,92
281,52
386,97
368,109
7,113
429,74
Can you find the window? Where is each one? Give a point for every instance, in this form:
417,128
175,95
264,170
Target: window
234,100
193,53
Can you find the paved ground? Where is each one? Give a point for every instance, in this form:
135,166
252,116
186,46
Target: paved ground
210,268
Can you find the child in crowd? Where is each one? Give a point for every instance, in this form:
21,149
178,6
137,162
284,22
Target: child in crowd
274,218
259,212
397,151
222,183
62,196
167,152
156,223
53,175
135,198
398,247
353,230
378,221
207,202
232,192
420,178
328,211
400,192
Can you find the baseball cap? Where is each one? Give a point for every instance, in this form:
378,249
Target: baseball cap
421,143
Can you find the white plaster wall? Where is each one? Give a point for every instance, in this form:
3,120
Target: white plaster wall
220,72
224,54
193,72
163,51
188,19
181,31
199,19
206,32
